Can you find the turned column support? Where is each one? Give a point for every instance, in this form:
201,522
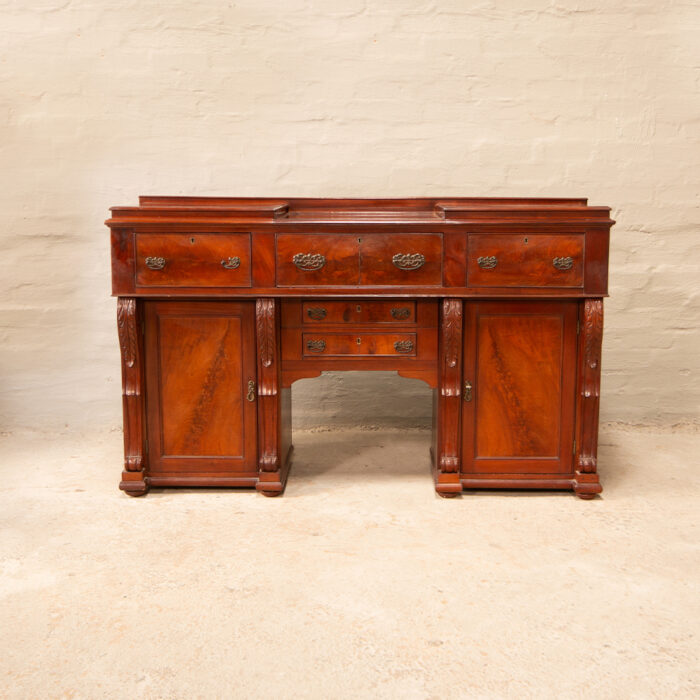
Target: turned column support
134,477
586,483
272,465
447,459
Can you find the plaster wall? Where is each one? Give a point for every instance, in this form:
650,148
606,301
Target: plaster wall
101,102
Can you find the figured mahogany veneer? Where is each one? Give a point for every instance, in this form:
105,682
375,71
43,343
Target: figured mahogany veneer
495,303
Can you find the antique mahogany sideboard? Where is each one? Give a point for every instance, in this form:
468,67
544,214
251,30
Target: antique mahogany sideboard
496,303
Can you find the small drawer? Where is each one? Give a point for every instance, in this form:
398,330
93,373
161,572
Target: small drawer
317,260
523,260
359,344
408,259
329,312
193,260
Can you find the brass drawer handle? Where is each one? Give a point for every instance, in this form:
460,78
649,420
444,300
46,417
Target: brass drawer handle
403,346
316,345
231,263
408,261
317,313
155,263
400,314
308,262
250,396
487,262
467,391
563,263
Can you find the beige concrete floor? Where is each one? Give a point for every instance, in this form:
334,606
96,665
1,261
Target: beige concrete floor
358,583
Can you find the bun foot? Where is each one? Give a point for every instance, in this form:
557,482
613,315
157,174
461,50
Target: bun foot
134,484
134,488
586,485
270,494
449,494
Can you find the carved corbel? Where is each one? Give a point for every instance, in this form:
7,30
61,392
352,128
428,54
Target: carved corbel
448,461
271,476
134,480
590,345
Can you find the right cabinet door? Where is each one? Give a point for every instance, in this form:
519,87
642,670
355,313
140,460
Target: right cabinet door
519,389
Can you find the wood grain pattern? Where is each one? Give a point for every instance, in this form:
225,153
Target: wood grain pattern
377,252
359,311
525,260
590,345
341,253
361,343
274,434
206,392
520,360
447,453
193,259
134,477
200,358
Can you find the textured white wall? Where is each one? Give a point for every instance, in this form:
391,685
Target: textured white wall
103,101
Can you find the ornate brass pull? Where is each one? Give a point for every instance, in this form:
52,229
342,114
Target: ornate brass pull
408,261
250,396
467,391
403,346
563,263
400,314
487,262
308,262
316,345
231,263
155,263
317,313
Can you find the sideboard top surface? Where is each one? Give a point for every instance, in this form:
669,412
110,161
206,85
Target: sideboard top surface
419,210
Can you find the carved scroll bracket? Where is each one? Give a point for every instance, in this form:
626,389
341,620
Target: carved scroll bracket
268,385
128,326
590,345
449,404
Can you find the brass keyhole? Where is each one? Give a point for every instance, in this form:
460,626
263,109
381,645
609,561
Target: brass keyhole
358,308
526,240
359,341
191,240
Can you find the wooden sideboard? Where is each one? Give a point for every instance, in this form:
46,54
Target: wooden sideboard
497,304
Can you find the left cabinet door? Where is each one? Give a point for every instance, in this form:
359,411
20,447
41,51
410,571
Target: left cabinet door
201,391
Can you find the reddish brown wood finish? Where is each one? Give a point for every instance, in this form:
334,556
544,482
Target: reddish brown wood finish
387,266
519,363
340,259
447,403
325,312
524,260
201,384
364,344
586,484
134,477
380,266
274,406
193,259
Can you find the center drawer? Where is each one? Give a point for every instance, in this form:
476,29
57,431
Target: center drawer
359,344
315,313
364,259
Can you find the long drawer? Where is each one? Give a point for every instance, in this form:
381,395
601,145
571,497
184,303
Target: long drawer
368,259
323,313
362,343
525,260
193,260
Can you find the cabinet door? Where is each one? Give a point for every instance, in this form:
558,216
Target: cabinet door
200,359
520,360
